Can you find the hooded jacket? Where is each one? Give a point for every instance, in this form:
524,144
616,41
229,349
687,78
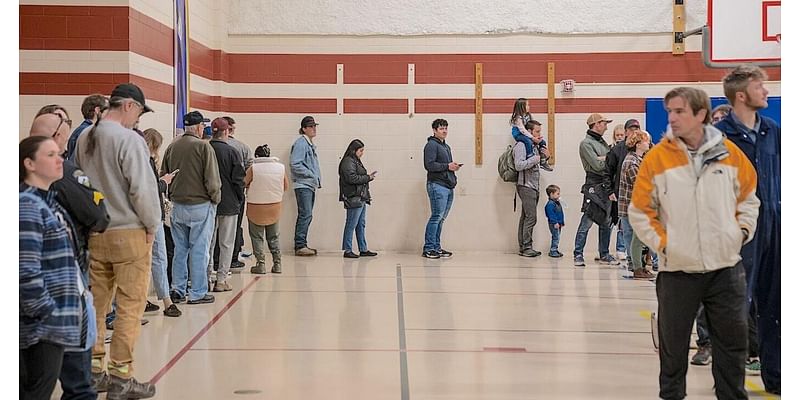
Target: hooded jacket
436,157
696,210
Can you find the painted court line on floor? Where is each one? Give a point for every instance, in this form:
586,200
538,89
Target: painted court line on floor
171,363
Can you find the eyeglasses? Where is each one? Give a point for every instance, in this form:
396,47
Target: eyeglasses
63,120
141,107
60,122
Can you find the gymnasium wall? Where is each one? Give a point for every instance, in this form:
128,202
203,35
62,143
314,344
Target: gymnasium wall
267,66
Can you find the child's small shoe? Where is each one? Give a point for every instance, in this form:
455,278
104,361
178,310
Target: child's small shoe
545,166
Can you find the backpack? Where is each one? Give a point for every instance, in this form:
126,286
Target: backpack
505,165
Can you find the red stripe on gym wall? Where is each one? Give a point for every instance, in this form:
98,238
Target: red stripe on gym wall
124,28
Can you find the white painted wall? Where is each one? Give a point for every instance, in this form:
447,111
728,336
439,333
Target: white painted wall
446,17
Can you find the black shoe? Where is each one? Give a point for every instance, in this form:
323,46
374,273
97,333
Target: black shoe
431,254
350,254
172,311
444,253
150,307
176,298
368,253
126,389
207,299
110,325
100,381
237,264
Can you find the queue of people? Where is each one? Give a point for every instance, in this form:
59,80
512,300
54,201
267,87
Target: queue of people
99,216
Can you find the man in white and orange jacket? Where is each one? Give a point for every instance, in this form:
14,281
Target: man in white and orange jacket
694,201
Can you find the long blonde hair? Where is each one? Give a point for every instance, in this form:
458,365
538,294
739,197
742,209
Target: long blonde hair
154,140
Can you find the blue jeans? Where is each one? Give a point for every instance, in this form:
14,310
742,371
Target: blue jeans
192,227
356,221
555,237
626,230
305,206
583,231
441,199
158,266
622,244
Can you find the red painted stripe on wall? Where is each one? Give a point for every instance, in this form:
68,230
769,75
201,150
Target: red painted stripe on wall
124,28
376,106
538,106
276,105
444,106
55,84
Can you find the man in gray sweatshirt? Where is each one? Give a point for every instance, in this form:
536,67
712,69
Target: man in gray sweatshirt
117,161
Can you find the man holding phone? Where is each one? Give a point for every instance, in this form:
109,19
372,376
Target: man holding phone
438,161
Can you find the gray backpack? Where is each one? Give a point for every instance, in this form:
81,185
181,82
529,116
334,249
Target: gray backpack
505,165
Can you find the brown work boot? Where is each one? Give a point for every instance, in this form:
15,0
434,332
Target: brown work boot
643,274
223,286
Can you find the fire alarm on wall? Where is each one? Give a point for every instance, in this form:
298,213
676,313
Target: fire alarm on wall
567,85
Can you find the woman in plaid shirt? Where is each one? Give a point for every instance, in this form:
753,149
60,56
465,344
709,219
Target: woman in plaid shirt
50,312
637,143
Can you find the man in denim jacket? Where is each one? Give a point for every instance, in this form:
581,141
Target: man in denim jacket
306,179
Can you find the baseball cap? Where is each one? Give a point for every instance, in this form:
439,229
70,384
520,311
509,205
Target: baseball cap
595,118
631,123
130,91
194,118
308,121
219,124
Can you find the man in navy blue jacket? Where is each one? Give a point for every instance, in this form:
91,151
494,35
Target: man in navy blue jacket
438,160
759,137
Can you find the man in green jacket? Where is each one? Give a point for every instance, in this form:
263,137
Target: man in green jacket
195,192
593,150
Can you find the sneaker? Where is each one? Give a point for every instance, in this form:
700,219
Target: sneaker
245,254
237,264
150,307
172,311
100,381
752,366
703,356
276,268
305,252
529,253
258,269
223,286
126,389
350,254
608,260
444,253
578,261
555,254
621,255
431,254
176,298
644,274
203,300
367,253
545,166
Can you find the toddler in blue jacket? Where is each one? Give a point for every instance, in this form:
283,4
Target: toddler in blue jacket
555,218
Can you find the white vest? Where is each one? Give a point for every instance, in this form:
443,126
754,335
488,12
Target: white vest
267,184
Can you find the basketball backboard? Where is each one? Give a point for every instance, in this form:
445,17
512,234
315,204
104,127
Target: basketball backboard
742,31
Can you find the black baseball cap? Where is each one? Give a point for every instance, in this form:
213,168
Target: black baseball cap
308,121
631,123
130,91
194,118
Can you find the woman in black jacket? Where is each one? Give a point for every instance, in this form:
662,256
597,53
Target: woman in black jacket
354,192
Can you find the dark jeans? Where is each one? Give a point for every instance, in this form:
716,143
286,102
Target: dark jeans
39,366
76,376
527,218
722,294
170,252
583,231
555,237
305,207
